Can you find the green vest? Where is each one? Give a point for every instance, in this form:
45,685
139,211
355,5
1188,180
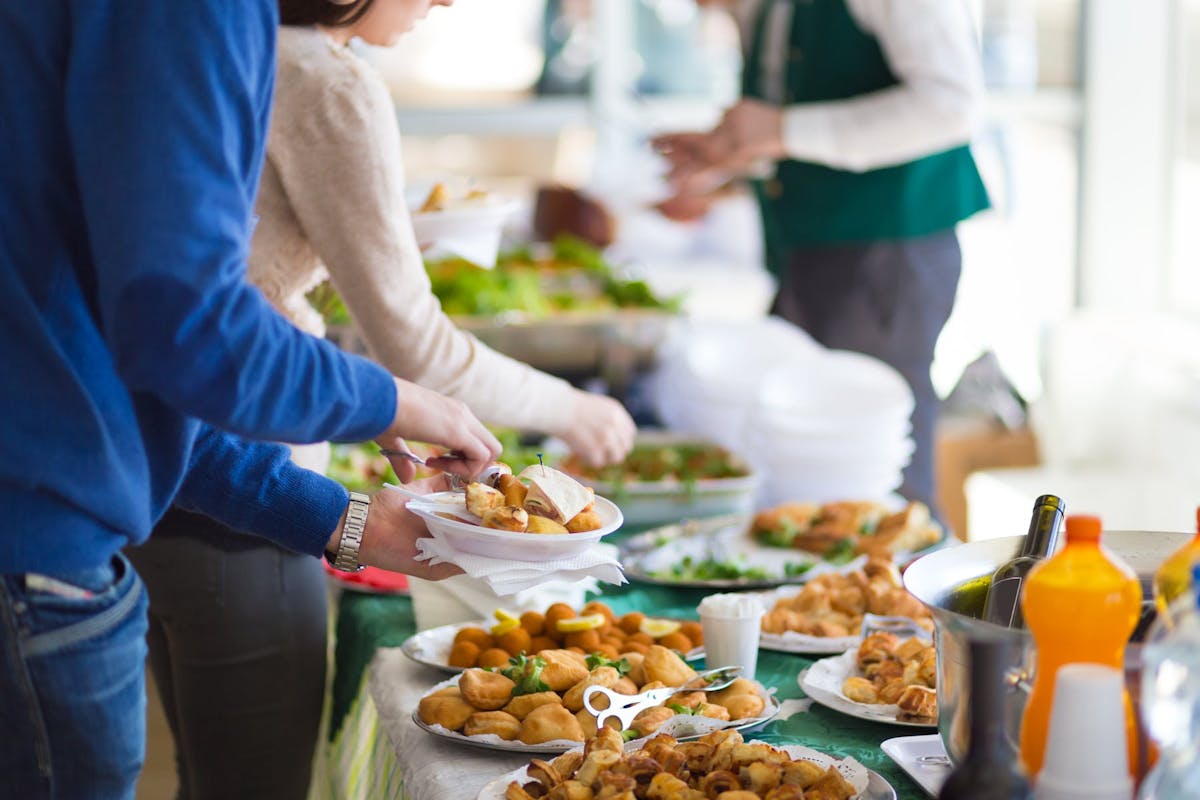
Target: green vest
806,204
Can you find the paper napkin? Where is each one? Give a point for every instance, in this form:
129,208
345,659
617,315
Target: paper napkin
509,576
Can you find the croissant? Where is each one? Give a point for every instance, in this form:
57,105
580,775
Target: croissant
568,763
714,783
860,690
891,690
877,647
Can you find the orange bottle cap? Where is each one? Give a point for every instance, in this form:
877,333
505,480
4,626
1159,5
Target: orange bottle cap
1081,528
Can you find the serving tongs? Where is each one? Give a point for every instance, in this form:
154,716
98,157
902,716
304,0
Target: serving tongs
624,707
457,483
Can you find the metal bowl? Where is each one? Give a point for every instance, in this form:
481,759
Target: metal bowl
953,582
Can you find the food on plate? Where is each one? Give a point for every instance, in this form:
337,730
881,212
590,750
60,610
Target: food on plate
833,605
554,494
549,722
440,198
542,692
541,280
497,723
690,569
841,530
678,462
594,629
718,766
551,502
897,672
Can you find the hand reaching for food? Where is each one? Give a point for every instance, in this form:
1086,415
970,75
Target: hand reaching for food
601,431
427,416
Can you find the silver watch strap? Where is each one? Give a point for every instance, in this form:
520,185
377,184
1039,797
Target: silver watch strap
352,533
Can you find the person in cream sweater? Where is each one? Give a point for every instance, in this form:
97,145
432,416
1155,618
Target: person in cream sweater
238,626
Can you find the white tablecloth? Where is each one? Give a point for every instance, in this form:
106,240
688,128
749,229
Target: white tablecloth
432,768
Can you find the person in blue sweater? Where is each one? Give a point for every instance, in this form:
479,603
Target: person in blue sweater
140,368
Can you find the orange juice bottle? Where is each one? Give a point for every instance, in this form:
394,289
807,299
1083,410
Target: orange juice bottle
1081,605
1175,575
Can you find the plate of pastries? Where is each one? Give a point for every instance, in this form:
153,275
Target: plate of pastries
887,678
537,515
593,629
536,703
718,766
826,614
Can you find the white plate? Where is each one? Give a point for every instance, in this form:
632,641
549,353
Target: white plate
923,758
875,787
819,682
649,556
432,647
478,224
468,537
493,742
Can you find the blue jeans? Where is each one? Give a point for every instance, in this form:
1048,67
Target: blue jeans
72,683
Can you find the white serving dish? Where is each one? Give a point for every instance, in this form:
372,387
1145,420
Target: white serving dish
823,681
469,537
923,758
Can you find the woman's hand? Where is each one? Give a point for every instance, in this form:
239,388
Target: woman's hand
426,416
601,431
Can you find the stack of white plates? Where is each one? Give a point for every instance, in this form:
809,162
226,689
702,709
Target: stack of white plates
818,424
831,427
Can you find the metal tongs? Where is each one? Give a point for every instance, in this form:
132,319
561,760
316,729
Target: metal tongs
457,483
624,707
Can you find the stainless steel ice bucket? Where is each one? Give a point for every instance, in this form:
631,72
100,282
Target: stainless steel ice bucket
953,583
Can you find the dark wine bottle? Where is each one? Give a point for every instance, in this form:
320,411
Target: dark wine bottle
1003,603
991,769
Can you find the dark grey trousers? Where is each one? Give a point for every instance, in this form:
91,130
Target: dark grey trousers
885,299
237,647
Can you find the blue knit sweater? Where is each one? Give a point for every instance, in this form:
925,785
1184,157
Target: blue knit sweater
133,354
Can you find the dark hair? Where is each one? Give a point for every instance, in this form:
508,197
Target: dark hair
322,12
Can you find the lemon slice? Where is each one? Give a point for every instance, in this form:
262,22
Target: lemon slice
501,628
506,616
658,628
585,623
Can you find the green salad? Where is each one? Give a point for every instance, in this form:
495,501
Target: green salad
683,462
709,569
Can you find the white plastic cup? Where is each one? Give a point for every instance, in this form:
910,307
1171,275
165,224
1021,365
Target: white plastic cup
731,623
1086,748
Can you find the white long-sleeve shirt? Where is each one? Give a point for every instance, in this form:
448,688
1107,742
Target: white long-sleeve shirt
932,48
331,204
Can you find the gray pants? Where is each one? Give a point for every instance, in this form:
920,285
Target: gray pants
885,299
237,643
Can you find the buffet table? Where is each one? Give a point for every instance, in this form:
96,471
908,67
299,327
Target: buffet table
376,751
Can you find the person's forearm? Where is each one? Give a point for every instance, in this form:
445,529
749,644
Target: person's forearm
254,487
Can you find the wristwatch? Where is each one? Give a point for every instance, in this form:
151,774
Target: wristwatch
346,559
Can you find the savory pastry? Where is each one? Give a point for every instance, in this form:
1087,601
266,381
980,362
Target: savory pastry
650,720
918,703
571,790
522,704
506,518
498,723
550,722
584,521
877,647
801,773
482,498
745,706
448,710
665,786
860,690
714,711
487,691
563,669
514,491
545,525
662,664
833,786
738,687
554,494
600,676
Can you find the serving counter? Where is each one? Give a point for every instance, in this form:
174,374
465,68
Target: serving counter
375,750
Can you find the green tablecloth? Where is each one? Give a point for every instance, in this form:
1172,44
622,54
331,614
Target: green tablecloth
366,622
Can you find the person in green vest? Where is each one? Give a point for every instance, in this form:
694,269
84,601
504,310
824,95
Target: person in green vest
853,129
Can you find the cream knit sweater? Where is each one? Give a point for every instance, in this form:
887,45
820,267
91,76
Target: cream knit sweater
331,204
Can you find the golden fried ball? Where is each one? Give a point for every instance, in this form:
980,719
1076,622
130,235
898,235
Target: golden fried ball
477,636
516,641
631,622
493,657
534,622
694,631
463,654
588,641
676,641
